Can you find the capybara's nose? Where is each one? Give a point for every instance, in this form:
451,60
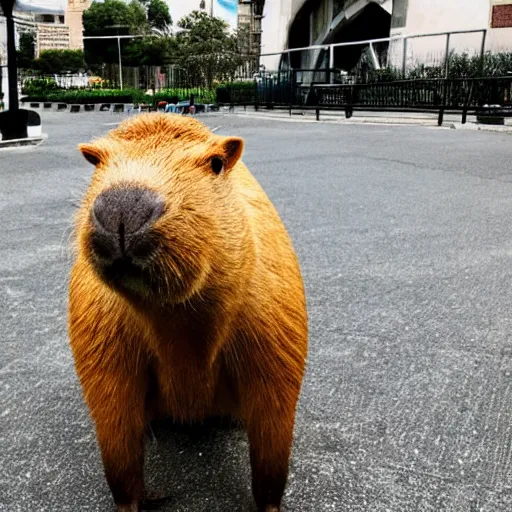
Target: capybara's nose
122,217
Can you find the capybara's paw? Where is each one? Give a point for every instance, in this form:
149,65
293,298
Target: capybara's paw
133,507
153,501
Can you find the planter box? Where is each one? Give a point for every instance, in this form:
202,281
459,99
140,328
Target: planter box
495,120
493,114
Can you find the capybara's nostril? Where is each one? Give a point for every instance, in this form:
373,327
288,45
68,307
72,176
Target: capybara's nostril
122,217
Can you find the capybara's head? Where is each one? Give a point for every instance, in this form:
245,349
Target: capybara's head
161,214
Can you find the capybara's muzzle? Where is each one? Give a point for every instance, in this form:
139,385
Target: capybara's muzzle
122,219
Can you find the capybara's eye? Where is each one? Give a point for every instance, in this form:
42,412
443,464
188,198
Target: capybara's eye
217,165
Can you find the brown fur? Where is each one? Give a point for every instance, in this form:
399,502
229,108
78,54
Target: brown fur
223,331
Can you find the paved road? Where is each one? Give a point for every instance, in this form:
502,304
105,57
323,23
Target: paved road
405,240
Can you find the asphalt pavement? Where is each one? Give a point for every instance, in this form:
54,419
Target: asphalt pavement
404,236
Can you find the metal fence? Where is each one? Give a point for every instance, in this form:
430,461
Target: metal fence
399,51
288,90
152,78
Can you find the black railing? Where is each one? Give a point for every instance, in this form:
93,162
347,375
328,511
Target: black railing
490,96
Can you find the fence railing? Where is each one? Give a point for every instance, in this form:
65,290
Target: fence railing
400,51
467,95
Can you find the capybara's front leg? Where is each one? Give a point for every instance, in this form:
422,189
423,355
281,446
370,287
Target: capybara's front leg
117,407
114,383
270,439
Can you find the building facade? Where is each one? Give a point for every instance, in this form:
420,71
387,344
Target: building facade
490,19
74,20
56,26
250,14
291,24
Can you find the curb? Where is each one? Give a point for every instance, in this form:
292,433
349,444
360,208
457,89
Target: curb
28,141
482,128
395,121
353,120
75,108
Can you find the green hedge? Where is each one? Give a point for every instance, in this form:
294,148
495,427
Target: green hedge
39,86
82,96
181,94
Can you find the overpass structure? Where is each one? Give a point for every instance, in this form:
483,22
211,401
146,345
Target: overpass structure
290,24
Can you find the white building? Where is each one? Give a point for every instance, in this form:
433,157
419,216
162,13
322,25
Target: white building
494,17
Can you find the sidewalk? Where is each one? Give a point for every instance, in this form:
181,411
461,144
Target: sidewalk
389,118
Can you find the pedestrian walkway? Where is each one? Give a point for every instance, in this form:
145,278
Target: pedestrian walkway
369,117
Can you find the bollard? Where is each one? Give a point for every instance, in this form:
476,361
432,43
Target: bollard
441,117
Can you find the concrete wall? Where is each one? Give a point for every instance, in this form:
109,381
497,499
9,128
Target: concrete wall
449,15
415,17
277,18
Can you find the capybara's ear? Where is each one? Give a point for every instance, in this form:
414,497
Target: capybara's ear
232,149
93,153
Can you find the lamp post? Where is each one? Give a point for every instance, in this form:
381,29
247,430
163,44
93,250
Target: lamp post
12,69
14,121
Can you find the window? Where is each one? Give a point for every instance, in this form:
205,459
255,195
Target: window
501,15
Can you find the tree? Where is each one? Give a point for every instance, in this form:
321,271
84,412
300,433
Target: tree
27,50
56,62
151,51
111,17
206,49
158,15
101,17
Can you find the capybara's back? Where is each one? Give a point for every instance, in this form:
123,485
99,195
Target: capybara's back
186,299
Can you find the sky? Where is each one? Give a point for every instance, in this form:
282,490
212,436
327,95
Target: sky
46,5
178,8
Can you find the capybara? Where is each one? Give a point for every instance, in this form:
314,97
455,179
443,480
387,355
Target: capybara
186,299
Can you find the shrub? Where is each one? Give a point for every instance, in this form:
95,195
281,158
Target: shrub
39,86
459,66
82,96
181,94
